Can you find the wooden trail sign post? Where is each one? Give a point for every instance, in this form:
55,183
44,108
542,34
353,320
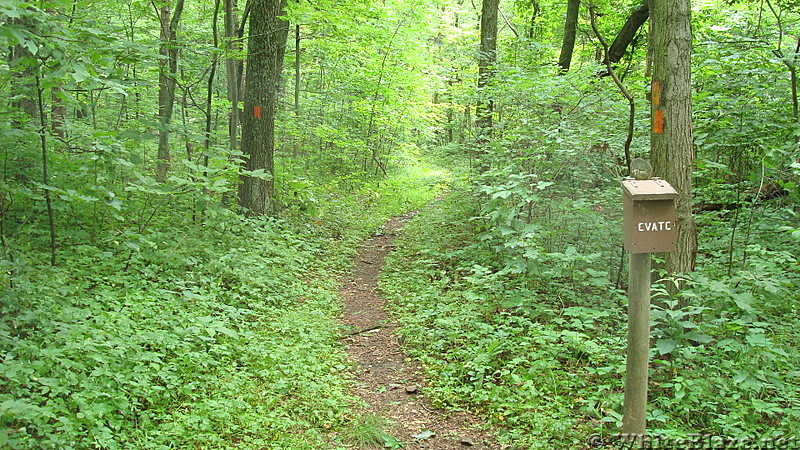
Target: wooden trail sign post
649,227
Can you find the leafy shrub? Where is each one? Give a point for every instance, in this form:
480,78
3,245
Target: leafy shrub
539,349
218,335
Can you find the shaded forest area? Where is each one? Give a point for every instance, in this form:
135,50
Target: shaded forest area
183,183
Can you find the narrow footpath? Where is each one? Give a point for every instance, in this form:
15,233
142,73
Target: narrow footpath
389,381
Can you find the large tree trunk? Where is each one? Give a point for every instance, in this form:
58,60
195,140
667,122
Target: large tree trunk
671,136
265,51
570,29
628,31
167,82
487,58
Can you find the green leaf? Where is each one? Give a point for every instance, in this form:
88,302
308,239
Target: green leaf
115,203
227,332
16,407
23,38
47,187
743,301
390,441
665,346
11,12
261,174
698,337
80,73
501,194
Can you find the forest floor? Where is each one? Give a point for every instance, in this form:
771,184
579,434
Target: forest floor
389,381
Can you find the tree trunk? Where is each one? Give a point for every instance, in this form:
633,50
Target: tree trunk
297,70
793,79
487,59
625,36
164,97
265,51
233,70
671,136
533,27
45,168
210,87
296,149
22,82
167,83
570,29
58,111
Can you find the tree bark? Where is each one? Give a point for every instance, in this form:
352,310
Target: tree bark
45,168
792,66
487,58
533,27
793,81
628,31
297,70
265,51
167,83
210,87
233,68
58,111
570,30
23,86
297,51
672,152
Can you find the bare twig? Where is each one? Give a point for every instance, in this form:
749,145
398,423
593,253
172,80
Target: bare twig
366,330
508,22
625,93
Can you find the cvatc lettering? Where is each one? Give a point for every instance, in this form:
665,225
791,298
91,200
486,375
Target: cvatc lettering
654,226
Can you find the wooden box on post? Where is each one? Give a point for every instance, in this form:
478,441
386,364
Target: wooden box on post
648,215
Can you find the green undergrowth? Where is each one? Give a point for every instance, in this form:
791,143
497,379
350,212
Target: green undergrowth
213,336
526,327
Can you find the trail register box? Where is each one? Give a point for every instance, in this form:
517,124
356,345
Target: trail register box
648,211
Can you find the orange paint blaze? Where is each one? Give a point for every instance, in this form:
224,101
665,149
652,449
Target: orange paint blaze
656,93
658,122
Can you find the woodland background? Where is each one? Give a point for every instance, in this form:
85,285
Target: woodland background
143,307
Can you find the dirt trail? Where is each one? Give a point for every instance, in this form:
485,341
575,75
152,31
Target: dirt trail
387,379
